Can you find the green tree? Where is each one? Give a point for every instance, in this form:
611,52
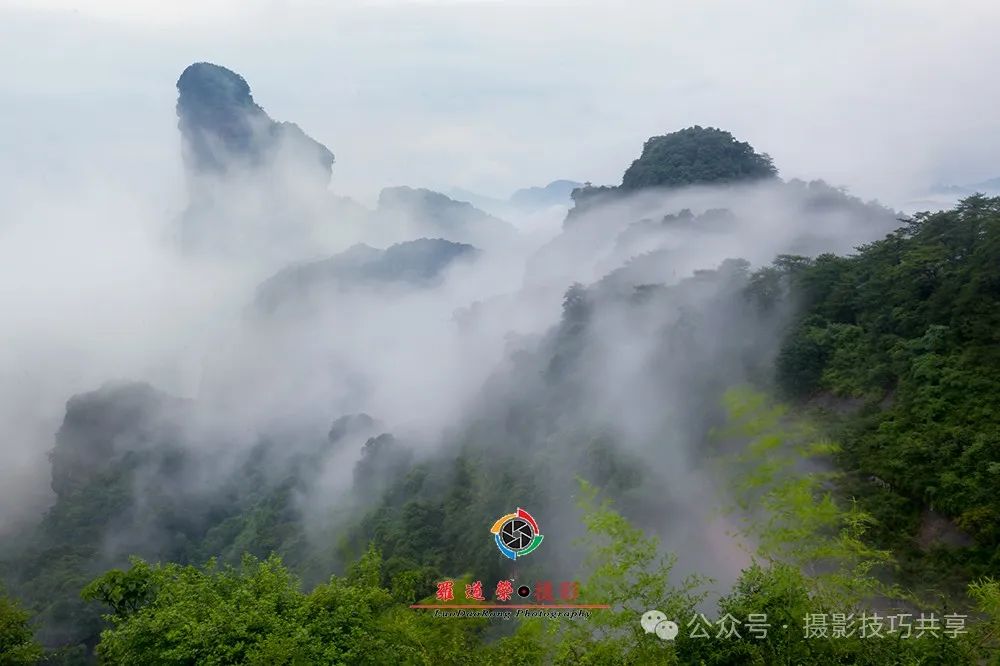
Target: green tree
256,614
17,641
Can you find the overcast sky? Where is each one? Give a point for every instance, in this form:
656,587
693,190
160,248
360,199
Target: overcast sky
881,96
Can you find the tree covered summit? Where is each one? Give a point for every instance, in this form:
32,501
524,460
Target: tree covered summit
696,155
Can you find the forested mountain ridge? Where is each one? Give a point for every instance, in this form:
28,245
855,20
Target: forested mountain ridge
910,327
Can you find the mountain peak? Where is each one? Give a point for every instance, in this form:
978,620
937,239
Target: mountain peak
696,155
221,124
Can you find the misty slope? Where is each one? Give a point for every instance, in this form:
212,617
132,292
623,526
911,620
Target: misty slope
702,196
426,213
901,333
665,235
105,437
158,492
554,395
417,263
629,416
133,476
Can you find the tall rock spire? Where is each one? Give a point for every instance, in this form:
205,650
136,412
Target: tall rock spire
223,126
255,185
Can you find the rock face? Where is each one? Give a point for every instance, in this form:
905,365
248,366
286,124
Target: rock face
222,125
256,187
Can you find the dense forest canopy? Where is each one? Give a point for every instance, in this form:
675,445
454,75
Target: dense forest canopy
909,327
696,155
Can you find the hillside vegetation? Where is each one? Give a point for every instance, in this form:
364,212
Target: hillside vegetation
910,327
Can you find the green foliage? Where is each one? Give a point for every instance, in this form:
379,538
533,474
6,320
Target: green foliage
691,156
811,555
17,641
811,560
627,573
911,324
986,635
461,498
123,483
788,508
696,155
124,591
626,570
782,594
173,614
256,614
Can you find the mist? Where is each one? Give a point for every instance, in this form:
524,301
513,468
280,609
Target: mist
108,284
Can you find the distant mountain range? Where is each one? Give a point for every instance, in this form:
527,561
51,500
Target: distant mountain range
525,200
991,186
416,263
429,213
258,186
943,195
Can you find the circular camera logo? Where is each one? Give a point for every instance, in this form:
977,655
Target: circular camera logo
516,534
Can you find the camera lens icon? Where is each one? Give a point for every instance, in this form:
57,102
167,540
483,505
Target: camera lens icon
655,622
